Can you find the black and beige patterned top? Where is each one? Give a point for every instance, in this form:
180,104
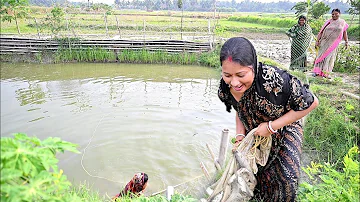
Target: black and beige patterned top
273,93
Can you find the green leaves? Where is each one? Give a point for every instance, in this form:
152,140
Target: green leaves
29,169
311,7
13,10
347,60
331,185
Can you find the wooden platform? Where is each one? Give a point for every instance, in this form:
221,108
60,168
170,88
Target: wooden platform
16,45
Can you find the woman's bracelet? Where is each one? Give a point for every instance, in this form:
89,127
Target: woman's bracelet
240,134
270,128
267,127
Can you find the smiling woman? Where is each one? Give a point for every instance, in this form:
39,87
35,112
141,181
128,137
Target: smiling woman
273,101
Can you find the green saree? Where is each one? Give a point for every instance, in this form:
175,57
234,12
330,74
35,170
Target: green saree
301,38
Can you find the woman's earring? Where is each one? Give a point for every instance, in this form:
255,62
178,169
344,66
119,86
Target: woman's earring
229,85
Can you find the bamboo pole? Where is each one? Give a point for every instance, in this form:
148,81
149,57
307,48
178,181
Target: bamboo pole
169,192
117,24
37,27
106,27
217,165
351,95
205,171
223,147
144,29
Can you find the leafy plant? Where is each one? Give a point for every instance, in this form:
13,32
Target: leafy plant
329,184
354,32
319,9
347,60
158,198
29,169
355,7
311,8
13,10
54,20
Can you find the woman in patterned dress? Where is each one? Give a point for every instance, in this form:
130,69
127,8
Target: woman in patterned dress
273,101
301,35
135,187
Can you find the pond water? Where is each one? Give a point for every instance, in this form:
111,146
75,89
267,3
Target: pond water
126,118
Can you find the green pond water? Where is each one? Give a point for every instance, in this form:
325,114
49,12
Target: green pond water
126,118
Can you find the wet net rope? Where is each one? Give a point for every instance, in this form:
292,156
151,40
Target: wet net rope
84,151
238,182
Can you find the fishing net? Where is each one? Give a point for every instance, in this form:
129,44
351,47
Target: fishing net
238,182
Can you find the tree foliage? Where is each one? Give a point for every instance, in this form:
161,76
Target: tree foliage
319,9
355,7
54,20
311,8
13,10
180,4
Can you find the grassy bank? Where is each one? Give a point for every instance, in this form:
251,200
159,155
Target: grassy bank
68,55
332,128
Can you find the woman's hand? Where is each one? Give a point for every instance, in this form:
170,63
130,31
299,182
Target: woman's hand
346,44
262,130
238,140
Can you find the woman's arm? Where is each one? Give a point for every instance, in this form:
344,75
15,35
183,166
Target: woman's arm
286,119
240,129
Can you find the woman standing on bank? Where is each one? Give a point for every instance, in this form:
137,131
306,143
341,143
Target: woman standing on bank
301,35
273,101
328,39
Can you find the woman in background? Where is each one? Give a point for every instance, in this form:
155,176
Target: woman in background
301,35
329,37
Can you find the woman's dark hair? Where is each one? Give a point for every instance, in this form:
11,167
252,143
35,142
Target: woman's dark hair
139,186
301,17
335,9
239,50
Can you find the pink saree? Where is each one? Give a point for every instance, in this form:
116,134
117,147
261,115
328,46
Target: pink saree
331,34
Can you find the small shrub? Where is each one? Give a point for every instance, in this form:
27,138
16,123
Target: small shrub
329,184
29,169
347,60
354,32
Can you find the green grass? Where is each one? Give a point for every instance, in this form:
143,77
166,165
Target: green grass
86,193
333,127
229,23
163,21
331,184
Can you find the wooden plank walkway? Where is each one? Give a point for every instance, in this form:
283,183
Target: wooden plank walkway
16,45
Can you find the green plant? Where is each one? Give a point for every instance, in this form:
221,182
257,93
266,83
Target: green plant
354,32
54,20
330,129
13,10
311,8
29,169
319,9
158,198
329,184
347,60
38,57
